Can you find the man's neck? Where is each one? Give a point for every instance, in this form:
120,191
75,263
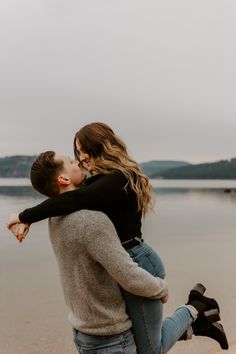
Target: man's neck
67,189
71,187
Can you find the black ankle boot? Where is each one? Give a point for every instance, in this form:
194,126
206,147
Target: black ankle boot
208,317
201,302
203,327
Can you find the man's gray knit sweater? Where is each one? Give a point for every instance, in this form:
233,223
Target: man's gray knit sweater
92,264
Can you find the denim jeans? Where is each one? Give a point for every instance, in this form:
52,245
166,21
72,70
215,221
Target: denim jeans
152,334
118,344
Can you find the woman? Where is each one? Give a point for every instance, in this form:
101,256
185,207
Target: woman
119,189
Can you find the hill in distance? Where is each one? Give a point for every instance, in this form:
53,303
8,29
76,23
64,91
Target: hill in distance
224,169
16,166
19,166
156,168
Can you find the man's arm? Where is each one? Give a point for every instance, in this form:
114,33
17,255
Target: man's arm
102,243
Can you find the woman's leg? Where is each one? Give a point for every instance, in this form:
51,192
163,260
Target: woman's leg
152,334
173,328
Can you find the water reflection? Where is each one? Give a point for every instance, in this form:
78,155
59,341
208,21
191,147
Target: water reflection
191,190
212,193
18,191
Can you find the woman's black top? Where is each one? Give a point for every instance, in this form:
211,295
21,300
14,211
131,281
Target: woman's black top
103,192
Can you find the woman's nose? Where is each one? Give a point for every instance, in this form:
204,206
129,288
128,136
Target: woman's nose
83,156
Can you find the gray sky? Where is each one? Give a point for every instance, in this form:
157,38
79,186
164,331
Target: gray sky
162,73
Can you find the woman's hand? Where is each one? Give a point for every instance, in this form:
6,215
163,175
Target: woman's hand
20,231
14,219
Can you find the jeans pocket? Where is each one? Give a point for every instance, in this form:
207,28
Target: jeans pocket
93,350
152,263
99,348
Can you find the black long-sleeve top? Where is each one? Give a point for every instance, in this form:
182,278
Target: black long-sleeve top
103,192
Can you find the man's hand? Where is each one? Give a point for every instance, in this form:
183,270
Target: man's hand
165,299
20,231
14,219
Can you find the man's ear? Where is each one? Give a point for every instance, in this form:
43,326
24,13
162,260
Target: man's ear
63,180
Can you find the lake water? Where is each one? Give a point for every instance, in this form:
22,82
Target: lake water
192,227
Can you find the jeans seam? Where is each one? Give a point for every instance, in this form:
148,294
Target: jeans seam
157,273
146,328
147,255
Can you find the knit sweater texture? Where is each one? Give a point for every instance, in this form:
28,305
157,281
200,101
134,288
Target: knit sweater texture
92,264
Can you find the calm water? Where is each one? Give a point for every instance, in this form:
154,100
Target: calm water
192,227
160,183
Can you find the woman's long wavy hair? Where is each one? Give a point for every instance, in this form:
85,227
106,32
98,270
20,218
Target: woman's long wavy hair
109,153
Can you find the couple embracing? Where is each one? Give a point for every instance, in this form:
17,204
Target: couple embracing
113,281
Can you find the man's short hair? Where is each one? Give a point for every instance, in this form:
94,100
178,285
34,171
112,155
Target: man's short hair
44,173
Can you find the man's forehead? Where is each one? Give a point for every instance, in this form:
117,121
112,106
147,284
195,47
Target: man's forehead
59,157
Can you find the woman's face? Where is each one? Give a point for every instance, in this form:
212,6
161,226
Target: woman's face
84,157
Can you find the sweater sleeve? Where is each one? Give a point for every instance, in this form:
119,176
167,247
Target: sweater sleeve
103,192
103,245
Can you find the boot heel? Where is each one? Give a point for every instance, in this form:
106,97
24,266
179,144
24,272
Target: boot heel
201,327
212,315
199,288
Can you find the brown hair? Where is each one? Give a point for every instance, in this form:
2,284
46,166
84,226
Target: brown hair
44,172
109,153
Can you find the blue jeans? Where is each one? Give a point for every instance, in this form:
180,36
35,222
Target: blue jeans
152,334
118,344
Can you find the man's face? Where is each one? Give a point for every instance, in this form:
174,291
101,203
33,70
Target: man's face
71,170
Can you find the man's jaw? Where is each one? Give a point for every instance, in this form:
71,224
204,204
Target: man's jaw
86,167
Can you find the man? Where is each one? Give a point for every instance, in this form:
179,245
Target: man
92,264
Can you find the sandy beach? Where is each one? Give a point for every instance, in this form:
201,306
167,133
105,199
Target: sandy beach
232,350
33,312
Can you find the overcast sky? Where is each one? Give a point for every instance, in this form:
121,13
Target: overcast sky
162,73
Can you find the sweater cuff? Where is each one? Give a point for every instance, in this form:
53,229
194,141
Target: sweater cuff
164,290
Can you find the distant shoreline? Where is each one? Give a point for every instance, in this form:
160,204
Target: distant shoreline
22,187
